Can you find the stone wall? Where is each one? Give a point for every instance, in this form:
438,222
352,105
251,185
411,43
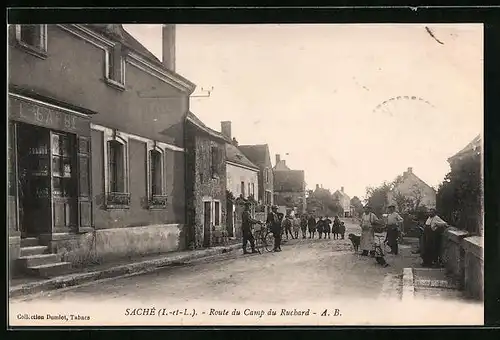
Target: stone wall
463,259
117,243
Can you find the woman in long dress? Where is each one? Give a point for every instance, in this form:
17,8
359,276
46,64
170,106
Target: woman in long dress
368,221
431,239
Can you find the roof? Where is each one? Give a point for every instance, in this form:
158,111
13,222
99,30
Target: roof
407,174
338,192
475,144
233,154
257,154
281,166
196,122
289,180
117,32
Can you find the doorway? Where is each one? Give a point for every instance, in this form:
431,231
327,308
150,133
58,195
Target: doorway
47,181
33,151
207,223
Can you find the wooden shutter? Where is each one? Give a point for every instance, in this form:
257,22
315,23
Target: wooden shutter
84,183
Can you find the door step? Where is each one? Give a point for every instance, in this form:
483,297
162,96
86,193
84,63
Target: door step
49,270
29,242
34,250
36,260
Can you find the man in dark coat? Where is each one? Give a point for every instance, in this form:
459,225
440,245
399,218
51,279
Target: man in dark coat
311,223
246,227
319,226
274,224
303,225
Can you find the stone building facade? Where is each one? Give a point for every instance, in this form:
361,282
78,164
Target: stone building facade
260,156
96,125
289,187
205,183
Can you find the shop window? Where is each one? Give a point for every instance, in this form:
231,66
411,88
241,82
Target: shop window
117,162
33,38
266,175
62,166
253,190
242,188
115,67
157,197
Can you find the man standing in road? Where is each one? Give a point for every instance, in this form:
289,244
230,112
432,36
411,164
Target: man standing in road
274,224
368,221
246,227
394,222
303,225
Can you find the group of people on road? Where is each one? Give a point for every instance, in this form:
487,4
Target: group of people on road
430,241
279,225
291,226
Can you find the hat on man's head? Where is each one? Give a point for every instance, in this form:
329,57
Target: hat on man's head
274,207
391,206
248,203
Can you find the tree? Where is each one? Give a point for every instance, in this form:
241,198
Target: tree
377,197
404,203
416,196
322,202
459,197
358,205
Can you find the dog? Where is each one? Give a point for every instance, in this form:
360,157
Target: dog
355,240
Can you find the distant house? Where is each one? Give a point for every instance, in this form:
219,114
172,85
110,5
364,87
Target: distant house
260,156
413,188
242,180
344,200
205,182
289,187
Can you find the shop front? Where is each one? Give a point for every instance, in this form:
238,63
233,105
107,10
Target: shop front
49,169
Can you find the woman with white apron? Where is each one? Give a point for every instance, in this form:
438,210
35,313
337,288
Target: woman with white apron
368,221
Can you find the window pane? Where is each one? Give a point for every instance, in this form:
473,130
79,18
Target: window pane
56,145
57,186
66,167
156,180
116,167
56,166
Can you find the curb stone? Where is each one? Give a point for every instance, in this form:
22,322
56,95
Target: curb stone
408,285
114,272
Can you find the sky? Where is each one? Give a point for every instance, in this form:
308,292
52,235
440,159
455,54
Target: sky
352,105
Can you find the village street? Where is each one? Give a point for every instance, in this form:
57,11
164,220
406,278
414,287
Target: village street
306,270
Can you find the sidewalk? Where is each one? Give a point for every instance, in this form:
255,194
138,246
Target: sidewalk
27,286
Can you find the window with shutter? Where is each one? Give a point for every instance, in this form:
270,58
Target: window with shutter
157,197
117,195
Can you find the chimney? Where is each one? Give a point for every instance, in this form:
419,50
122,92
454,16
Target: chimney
168,46
235,142
225,129
342,189
317,186
410,170
278,158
